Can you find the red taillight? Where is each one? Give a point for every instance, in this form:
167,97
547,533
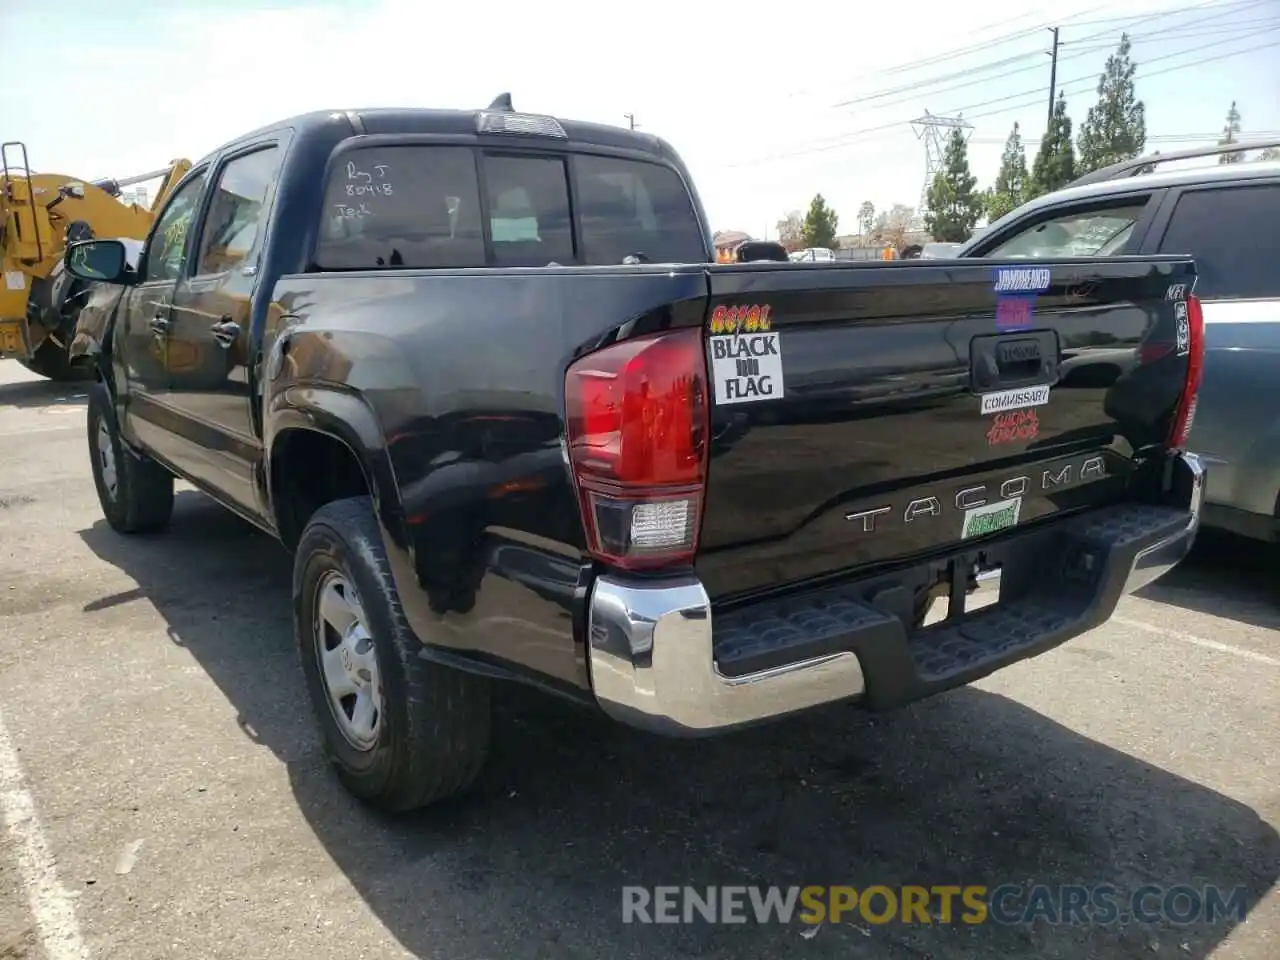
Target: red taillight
1186,415
636,416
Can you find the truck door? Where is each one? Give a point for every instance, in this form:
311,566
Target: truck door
210,342
145,318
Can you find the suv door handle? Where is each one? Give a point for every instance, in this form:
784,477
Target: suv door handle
160,325
225,332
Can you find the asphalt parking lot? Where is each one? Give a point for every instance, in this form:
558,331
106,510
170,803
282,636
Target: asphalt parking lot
164,795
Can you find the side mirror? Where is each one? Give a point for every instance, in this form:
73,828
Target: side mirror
101,260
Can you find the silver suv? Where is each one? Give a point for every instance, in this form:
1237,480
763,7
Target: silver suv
1226,215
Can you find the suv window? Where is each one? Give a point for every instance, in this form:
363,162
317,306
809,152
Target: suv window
231,227
1232,233
168,240
419,206
1095,232
631,207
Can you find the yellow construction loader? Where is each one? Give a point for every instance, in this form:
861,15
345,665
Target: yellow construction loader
40,213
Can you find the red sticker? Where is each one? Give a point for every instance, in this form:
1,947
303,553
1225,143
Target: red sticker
752,318
1014,425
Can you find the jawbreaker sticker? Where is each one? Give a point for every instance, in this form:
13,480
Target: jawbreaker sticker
1022,279
746,356
990,518
1014,399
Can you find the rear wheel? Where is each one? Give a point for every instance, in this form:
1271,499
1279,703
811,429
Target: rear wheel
402,732
135,492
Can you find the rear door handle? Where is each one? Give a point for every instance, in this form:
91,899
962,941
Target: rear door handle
225,332
160,325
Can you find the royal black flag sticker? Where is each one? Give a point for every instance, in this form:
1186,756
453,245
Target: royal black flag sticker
746,367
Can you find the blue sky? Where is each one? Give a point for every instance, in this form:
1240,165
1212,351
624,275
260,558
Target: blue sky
768,103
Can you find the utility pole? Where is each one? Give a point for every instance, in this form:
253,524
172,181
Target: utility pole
1053,74
631,120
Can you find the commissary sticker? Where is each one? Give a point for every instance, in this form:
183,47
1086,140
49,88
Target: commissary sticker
1014,399
1022,279
747,367
991,517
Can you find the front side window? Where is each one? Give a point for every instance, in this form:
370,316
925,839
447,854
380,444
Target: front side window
168,242
1081,233
236,211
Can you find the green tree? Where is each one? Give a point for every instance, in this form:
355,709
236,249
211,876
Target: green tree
1231,134
820,224
954,206
1011,186
1055,163
1116,127
866,217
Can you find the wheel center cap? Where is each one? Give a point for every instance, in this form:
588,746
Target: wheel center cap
347,663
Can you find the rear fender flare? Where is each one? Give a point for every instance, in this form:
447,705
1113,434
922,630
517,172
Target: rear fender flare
347,418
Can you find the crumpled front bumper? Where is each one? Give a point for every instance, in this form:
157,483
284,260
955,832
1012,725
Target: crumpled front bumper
661,661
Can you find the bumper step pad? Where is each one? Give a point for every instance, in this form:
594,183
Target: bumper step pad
1058,583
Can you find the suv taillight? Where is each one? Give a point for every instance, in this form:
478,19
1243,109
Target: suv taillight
1186,415
636,419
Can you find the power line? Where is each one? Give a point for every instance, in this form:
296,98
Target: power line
1156,73
910,89
1173,13
1137,21
843,139
1151,138
1246,26
847,139
962,51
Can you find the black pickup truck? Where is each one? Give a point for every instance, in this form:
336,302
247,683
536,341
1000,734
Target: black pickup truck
478,371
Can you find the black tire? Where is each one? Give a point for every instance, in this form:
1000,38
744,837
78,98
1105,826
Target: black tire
52,361
433,728
142,499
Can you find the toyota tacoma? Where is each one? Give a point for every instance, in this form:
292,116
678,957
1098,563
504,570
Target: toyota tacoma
479,372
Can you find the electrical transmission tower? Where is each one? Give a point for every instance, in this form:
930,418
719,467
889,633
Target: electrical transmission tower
934,131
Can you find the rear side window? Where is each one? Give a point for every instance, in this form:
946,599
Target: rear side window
1079,233
420,206
632,208
1233,234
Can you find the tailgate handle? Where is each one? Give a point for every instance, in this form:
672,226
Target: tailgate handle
1018,358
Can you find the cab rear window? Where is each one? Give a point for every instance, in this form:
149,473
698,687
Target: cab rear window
420,206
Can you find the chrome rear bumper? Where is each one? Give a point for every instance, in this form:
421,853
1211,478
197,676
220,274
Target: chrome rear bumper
653,658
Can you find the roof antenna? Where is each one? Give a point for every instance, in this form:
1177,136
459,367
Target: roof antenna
502,102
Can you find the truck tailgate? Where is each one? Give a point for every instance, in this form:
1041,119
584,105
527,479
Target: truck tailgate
867,413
